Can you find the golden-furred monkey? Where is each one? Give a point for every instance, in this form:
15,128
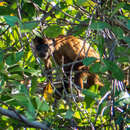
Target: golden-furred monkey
67,48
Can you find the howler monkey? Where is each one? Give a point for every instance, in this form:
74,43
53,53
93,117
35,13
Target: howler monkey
67,48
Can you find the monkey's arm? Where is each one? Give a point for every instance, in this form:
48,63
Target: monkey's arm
48,66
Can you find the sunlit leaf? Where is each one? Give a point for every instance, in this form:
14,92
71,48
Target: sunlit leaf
114,69
90,94
29,116
25,101
69,114
28,27
90,97
98,68
11,59
11,20
127,40
100,44
80,29
85,3
128,24
32,71
53,31
19,55
89,60
15,68
22,99
42,106
34,83
70,2
23,89
16,77
118,32
98,25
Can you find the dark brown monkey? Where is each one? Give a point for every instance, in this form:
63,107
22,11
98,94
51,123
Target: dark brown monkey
67,47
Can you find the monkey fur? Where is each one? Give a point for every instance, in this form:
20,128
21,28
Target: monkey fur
67,48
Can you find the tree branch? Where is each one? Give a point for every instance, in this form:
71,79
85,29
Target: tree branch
14,115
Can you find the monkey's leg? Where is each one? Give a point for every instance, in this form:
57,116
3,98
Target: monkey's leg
93,79
78,80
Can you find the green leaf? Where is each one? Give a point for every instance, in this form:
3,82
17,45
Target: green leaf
114,69
90,97
1,57
31,108
11,59
81,2
53,31
15,69
127,40
69,2
79,29
23,89
100,44
98,68
42,106
98,25
69,114
21,98
16,77
39,2
19,55
118,32
11,20
34,85
5,10
90,94
95,68
26,1
127,6
29,11
29,116
25,101
119,50
103,68
32,71
128,25
38,102
63,5
119,5
28,27
123,59
89,60
1,82
1,85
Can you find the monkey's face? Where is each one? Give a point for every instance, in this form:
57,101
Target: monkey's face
42,50
43,47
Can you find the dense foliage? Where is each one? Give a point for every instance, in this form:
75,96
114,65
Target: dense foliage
103,24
